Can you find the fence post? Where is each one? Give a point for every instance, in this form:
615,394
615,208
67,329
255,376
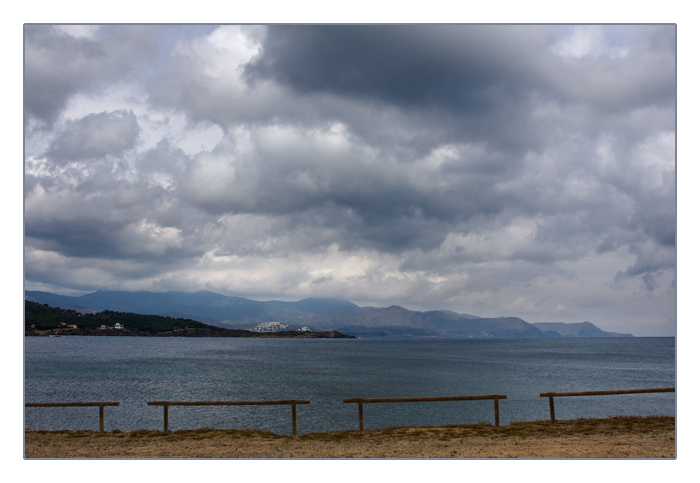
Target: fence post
102,418
294,419
495,410
362,417
551,408
165,418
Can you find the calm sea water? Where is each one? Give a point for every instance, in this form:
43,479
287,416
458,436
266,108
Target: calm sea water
134,370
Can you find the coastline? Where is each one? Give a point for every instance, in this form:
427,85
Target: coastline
327,334
614,437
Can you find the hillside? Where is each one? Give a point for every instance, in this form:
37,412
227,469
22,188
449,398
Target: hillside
207,307
398,321
45,320
580,329
317,314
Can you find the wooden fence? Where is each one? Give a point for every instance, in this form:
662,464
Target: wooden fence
552,395
292,402
73,404
361,401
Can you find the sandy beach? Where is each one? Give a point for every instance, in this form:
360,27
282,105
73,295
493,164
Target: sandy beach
616,437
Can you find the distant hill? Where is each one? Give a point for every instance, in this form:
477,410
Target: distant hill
398,321
207,307
577,329
316,306
42,320
44,317
318,314
466,316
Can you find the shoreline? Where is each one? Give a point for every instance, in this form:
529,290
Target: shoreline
189,333
613,437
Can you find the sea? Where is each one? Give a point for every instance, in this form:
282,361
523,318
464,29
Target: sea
135,370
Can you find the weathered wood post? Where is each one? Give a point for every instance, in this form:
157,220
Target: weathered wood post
362,416
165,418
294,419
102,418
551,408
495,410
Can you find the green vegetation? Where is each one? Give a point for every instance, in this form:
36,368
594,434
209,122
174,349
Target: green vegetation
44,317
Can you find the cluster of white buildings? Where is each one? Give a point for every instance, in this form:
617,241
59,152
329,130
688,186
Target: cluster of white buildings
269,327
275,327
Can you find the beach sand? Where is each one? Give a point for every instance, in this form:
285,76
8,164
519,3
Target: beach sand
615,437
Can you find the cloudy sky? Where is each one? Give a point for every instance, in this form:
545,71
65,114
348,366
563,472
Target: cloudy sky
493,170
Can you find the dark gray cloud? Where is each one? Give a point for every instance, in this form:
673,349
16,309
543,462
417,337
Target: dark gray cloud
519,170
476,72
96,136
58,65
412,66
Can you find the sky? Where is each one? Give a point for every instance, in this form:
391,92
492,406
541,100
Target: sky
495,170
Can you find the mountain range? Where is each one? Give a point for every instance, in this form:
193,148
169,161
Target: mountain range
317,314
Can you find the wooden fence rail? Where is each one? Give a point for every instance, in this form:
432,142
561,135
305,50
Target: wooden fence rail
552,395
361,401
291,402
74,404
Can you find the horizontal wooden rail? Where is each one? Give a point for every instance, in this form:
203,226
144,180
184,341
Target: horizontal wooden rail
291,402
552,395
76,404
422,399
228,403
363,400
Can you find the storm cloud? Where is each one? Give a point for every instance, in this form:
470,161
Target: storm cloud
95,136
489,169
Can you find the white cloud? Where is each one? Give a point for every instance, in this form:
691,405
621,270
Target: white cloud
78,31
587,41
